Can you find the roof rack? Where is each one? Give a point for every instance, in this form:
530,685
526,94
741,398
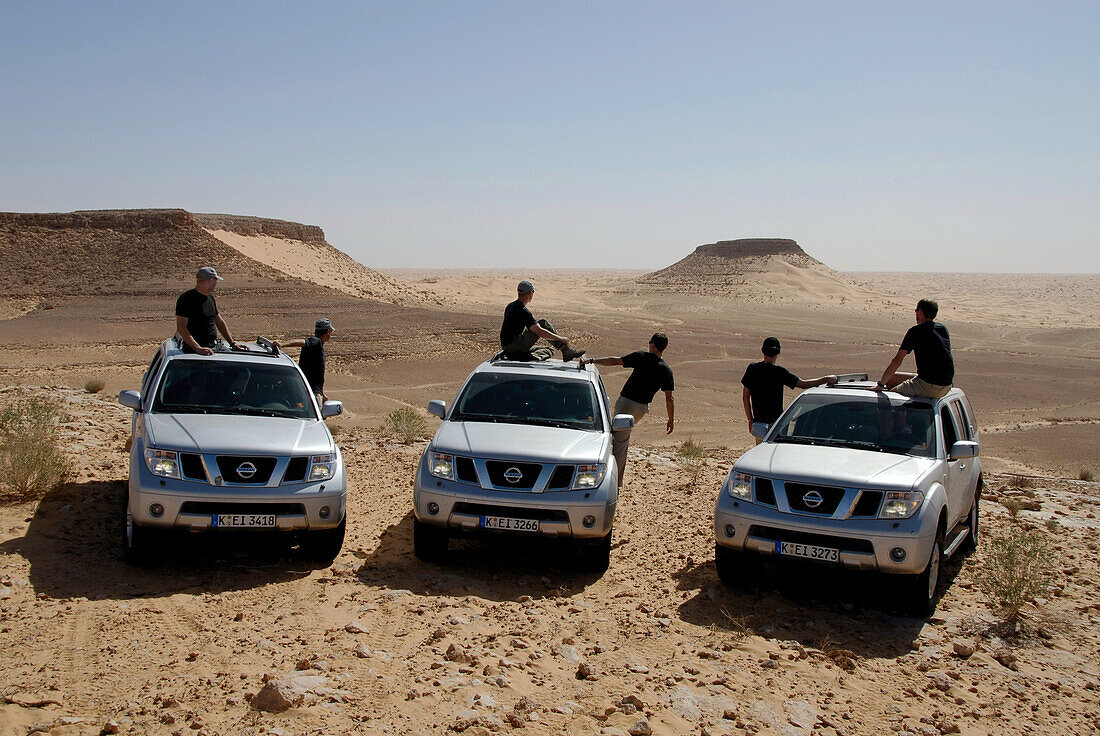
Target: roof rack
268,345
851,377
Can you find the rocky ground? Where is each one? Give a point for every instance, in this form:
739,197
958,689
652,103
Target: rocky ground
235,638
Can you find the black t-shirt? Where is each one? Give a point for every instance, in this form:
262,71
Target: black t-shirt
765,382
650,374
312,363
200,310
517,317
931,346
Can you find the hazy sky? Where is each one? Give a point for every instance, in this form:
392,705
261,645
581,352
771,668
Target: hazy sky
953,136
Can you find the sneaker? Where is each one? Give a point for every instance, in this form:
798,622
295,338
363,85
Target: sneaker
569,354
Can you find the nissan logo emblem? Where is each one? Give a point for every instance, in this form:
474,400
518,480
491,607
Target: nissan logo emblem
812,499
246,470
513,475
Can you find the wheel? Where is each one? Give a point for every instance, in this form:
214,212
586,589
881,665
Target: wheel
595,557
323,545
920,592
429,542
141,546
970,544
733,567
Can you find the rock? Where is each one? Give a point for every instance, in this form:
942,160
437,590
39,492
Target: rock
276,697
355,627
948,726
801,714
641,728
1006,657
362,651
964,647
568,653
456,653
585,671
110,727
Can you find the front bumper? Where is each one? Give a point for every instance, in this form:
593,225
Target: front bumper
863,544
461,507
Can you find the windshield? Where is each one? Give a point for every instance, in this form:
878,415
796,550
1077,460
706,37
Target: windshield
210,386
874,423
515,399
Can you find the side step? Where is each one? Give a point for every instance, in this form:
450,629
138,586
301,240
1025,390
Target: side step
963,531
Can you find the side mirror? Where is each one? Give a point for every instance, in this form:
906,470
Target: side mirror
964,449
622,421
437,408
131,399
332,408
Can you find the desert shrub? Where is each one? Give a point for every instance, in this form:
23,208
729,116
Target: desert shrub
1085,475
94,385
407,424
1013,505
692,457
1021,481
31,461
1015,567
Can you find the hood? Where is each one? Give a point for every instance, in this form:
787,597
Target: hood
237,435
847,467
520,442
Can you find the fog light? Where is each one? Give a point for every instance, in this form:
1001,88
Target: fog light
897,554
324,512
433,508
589,521
730,531
156,511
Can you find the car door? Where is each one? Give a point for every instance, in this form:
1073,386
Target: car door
967,431
956,474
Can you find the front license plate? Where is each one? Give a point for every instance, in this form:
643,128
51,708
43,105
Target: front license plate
505,523
808,551
244,520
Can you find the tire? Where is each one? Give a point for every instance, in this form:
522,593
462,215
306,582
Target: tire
921,592
595,557
733,567
429,542
970,544
324,545
141,546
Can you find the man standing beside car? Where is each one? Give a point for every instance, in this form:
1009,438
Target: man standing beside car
931,344
197,320
763,384
312,358
650,373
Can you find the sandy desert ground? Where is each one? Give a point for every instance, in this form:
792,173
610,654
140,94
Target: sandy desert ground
382,643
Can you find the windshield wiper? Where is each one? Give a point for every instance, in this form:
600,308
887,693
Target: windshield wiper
482,418
798,440
560,424
284,413
180,409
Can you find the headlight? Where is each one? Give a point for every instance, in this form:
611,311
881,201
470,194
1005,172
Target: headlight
442,465
163,462
739,486
900,504
322,467
588,476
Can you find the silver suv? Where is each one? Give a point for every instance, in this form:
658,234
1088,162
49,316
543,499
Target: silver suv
232,441
863,479
524,450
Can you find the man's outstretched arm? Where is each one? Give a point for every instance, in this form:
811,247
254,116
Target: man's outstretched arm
670,407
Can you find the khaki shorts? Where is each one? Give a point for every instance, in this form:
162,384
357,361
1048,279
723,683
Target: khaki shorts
917,387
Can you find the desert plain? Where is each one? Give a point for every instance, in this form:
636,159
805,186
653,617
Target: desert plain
506,635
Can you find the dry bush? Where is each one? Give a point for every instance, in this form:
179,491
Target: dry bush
693,457
31,461
407,424
94,385
1013,505
1015,568
1021,481
1085,475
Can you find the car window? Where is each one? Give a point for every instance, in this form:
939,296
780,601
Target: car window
520,399
950,434
208,386
956,413
873,423
968,416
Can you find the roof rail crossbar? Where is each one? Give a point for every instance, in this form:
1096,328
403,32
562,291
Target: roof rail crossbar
268,345
851,377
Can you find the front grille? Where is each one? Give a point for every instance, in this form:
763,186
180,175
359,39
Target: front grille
796,498
764,492
219,507
514,512
529,473
844,544
467,473
228,466
868,503
296,470
191,464
562,478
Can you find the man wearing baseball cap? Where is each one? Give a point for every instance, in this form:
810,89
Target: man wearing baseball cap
520,331
312,358
197,320
763,388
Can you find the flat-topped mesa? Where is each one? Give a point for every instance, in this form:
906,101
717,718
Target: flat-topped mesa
733,262
243,225
118,220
